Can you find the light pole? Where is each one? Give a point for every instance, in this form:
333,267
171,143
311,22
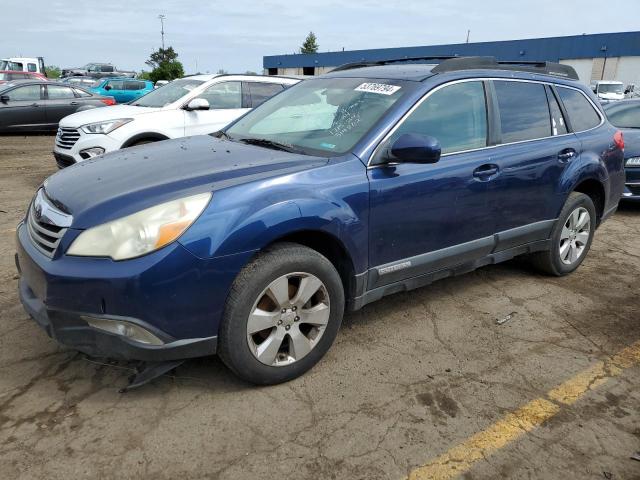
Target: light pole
162,17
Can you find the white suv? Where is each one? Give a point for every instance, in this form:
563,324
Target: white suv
194,105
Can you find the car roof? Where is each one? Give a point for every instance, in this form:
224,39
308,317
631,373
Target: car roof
20,71
408,71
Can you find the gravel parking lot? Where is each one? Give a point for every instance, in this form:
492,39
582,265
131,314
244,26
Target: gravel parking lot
420,378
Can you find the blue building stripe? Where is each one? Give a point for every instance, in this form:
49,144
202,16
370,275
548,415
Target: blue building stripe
535,49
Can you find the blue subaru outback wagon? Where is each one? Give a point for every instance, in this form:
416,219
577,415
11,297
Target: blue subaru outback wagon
373,179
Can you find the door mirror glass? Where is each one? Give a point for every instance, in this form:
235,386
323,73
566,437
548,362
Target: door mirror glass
197,104
107,87
414,148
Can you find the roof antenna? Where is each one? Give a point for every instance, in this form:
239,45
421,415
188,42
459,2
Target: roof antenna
468,32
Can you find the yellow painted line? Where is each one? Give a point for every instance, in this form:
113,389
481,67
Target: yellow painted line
514,425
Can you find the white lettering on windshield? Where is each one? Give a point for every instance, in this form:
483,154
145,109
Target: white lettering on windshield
381,88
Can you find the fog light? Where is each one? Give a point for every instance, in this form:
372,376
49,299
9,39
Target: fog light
124,329
91,152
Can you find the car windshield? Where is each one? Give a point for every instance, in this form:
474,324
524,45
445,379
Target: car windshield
168,93
610,88
320,116
6,86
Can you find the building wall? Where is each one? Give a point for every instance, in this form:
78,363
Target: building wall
582,66
624,69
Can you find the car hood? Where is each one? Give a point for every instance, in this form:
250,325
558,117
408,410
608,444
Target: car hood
126,181
102,114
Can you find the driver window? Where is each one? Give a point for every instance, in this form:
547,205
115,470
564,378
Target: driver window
455,115
224,95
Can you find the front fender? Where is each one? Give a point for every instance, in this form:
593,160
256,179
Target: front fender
251,216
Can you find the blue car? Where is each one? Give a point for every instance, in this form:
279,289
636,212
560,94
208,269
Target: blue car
252,242
625,115
123,90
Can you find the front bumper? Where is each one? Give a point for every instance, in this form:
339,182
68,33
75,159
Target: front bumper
171,293
631,190
68,156
70,329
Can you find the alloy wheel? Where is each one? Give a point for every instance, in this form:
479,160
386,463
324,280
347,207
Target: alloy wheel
288,319
575,235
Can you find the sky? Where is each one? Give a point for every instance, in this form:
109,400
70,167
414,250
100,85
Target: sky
235,35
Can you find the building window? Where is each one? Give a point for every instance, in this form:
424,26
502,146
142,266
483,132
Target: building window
308,70
272,71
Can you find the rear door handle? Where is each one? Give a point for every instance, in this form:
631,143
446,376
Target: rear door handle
74,103
35,104
483,172
566,155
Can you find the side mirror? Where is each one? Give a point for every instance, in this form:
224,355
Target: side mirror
4,98
108,87
197,104
413,148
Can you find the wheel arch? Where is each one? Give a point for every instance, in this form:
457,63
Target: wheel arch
330,247
155,136
595,190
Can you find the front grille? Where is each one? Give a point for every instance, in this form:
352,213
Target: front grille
45,236
67,137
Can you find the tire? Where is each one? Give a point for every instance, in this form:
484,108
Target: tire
564,257
266,308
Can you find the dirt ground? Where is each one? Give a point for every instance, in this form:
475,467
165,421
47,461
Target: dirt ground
408,378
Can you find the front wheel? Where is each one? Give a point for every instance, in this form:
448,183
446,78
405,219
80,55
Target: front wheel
282,314
571,237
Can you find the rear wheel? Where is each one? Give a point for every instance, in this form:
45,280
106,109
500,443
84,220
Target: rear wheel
143,142
282,314
571,237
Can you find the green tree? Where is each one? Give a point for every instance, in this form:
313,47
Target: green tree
250,72
310,44
222,71
52,71
165,65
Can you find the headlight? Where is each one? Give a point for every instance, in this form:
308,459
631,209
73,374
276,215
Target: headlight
142,232
106,126
633,162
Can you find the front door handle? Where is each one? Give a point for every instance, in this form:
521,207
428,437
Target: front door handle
35,104
74,103
566,155
486,171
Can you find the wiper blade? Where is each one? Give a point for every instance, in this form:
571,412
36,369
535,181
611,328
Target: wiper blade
222,134
263,142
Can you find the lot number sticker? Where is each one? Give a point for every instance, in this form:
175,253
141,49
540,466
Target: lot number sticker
380,88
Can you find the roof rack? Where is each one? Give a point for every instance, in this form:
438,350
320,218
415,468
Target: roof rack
469,63
376,63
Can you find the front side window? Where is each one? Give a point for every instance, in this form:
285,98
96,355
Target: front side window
455,115
57,92
28,93
170,93
261,91
116,84
326,116
581,113
31,67
524,112
223,95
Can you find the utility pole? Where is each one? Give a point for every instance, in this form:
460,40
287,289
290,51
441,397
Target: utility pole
162,17
468,32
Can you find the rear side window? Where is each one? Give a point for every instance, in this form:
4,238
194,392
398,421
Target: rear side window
581,113
58,92
524,113
558,125
455,115
81,93
261,91
133,85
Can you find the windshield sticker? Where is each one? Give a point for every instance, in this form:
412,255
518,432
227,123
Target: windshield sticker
327,145
380,88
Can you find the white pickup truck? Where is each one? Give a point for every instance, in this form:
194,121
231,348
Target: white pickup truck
23,64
